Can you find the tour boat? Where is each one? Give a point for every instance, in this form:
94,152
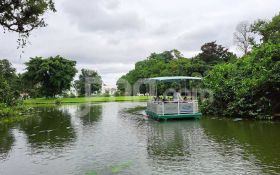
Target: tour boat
163,108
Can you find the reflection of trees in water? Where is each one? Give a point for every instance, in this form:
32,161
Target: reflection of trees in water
51,128
170,139
257,138
6,141
89,113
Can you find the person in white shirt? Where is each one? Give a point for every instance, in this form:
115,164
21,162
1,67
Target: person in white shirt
177,96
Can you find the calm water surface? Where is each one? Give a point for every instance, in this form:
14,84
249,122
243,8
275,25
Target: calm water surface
103,139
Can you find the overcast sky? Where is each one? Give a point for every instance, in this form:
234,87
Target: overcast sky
111,35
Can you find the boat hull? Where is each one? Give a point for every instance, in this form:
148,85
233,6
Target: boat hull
173,116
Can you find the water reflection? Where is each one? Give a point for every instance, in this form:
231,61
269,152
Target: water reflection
258,140
171,140
76,139
6,141
52,128
89,113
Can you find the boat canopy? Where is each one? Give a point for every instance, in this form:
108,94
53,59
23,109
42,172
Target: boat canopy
174,78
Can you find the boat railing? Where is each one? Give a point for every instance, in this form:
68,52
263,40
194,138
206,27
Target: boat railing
173,107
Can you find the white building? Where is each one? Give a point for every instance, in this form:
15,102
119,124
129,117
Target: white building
106,89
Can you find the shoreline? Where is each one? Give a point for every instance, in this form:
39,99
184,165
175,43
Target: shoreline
85,100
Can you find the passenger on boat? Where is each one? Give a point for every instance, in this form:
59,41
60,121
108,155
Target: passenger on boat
177,96
187,99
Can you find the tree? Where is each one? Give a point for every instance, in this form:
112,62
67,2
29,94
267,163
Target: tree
121,86
167,63
8,87
248,87
268,30
52,75
243,37
213,53
6,70
23,16
173,63
89,82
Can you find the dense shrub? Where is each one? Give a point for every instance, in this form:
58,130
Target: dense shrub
248,87
6,111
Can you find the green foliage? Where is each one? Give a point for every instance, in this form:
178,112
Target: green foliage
106,94
213,54
58,101
51,76
268,30
6,111
85,99
172,63
88,78
162,64
11,114
24,16
247,88
9,90
10,108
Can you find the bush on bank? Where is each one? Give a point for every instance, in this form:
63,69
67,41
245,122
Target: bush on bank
249,87
6,111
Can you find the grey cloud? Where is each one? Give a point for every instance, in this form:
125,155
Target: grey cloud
108,68
101,15
194,39
112,4
111,35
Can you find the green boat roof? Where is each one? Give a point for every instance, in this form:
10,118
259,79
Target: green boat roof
175,78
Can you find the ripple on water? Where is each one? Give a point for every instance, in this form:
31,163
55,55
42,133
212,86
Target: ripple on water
103,138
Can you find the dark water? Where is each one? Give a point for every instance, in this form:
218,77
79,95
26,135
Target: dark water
103,139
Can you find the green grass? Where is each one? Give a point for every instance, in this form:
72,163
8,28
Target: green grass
85,100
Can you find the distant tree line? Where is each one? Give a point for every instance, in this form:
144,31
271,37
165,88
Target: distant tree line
44,77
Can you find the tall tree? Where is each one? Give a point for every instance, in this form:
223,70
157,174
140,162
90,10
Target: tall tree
89,82
212,53
249,87
22,16
52,75
8,78
243,37
268,30
6,69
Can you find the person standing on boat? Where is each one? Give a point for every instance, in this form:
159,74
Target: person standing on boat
177,96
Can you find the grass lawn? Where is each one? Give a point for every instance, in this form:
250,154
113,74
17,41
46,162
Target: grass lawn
85,99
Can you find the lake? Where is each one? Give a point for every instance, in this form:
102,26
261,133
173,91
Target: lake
104,139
